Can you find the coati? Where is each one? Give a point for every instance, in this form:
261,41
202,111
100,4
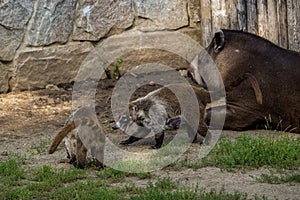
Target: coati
160,110
85,129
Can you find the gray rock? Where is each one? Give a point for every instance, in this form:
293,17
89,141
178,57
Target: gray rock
53,22
37,68
161,14
95,19
4,77
160,40
14,15
194,13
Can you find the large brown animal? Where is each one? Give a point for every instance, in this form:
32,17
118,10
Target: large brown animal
262,81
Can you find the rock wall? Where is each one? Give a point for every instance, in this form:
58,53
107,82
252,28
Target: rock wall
44,42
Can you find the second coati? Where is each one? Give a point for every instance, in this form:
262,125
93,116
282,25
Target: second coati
81,128
160,110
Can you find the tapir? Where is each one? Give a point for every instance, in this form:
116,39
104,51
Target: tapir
261,81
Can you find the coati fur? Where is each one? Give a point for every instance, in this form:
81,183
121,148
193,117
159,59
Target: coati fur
81,128
160,110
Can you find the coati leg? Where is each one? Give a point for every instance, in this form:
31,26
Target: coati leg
81,151
130,140
159,138
174,124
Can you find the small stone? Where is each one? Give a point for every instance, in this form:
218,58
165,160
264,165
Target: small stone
183,73
51,101
52,87
152,83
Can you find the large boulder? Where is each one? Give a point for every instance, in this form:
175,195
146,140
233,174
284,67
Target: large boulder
161,14
143,54
53,22
36,68
95,19
14,15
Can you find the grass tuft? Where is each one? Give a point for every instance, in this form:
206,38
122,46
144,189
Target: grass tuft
248,152
11,171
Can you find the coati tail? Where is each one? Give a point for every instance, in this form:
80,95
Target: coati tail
61,135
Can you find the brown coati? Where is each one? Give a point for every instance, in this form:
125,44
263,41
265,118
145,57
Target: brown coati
160,110
85,129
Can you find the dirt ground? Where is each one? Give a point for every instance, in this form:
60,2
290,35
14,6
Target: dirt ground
31,119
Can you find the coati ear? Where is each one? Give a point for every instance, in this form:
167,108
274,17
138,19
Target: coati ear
219,41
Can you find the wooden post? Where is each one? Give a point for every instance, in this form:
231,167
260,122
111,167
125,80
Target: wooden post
272,22
293,11
251,16
242,14
282,23
206,24
219,15
232,12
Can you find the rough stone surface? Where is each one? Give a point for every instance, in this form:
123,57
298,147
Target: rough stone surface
161,14
95,19
4,77
157,55
194,9
14,15
37,68
53,22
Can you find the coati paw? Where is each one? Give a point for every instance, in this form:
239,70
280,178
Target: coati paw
155,147
130,140
125,142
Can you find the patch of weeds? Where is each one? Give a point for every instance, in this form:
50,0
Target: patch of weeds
87,189
11,171
16,193
165,184
165,157
135,166
152,192
222,195
144,175
45,179
116,71
188,163
272,178
47,173
41,147
184,163
112,175
248,152
167,150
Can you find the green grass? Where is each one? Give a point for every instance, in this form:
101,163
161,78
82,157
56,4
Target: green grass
291,177
156,192
19,181
11,171
248,152
41,147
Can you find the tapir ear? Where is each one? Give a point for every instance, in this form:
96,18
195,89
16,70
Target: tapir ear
219,41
